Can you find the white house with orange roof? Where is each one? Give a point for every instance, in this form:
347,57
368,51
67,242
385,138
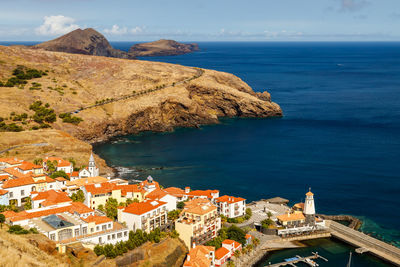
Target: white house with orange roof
61,164
147,215
21,188
49,198
224,253
149,185
9,162
200,256
69,223
183,195
28,167
163,196
199,222
231,207
4,200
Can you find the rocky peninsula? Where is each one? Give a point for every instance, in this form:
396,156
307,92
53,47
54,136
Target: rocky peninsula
130,96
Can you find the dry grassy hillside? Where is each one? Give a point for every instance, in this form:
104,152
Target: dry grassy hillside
74,81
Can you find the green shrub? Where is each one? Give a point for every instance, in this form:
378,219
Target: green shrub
43,113
68,118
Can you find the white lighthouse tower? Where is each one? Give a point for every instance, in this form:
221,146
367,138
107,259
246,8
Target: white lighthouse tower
309,208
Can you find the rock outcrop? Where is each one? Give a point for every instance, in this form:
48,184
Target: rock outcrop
87,42
162,48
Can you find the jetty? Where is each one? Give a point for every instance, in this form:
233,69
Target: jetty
365,243
307,260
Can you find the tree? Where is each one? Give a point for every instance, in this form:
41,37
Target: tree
99,250
267,223
180,205
59,174
173,215
230,264
79,196
2,219
112,208
255,242
28,204
237,234
101,207
269,214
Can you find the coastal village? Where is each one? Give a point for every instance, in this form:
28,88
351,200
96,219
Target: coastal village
68,205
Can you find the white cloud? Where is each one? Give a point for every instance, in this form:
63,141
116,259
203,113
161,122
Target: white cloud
137,30
115,29
56,25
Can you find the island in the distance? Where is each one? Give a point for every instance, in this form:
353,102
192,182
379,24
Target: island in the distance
91,42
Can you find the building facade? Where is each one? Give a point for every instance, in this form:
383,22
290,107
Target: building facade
231,207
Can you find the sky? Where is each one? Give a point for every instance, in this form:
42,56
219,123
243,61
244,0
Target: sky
207,20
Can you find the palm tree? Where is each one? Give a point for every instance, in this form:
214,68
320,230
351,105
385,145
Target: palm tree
255,242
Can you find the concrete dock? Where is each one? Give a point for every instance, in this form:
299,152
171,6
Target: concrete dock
298,259
365,243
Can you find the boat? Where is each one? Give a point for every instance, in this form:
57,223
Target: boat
311,262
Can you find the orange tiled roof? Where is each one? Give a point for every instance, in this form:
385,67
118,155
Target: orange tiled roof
14,172
206,193
9,213
175,191
221,252
4,177
199,206
25,180
309,193
75,174
102,188
248,236
3,192
125,188
198,256
235,244
52,197
97,219
11,161
26,166
84,181
157,194
291,217
229,199
299,205
61,179
73,207
143,207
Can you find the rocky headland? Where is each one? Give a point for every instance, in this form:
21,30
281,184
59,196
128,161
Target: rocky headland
91,42
127,97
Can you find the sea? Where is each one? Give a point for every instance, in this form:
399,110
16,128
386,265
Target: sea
339,136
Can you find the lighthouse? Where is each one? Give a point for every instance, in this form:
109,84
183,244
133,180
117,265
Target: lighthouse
309,208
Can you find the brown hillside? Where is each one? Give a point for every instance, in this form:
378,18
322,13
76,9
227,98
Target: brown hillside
162,48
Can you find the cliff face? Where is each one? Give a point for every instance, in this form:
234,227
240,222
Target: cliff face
162,48
87,42
166,95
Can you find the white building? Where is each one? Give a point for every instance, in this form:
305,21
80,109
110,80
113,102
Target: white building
91,170
309,208
231,207
61,164
147,215
161,195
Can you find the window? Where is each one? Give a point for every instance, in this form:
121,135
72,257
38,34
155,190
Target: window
84,230
125,233
22,192
91,230
109,225
51,186
97,228
113,236
119,235
104,227
77,232
53,237
11,194
109,237
100,240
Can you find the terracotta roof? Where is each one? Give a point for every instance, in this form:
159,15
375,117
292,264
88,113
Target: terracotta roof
3,192
309,193
26,166
61,179
75,174
60,162
143,207
175,191
199,206
221,252
102,188
230,242
157,194
9,213
52,197
291,217
11,161
133,188
299,205
97,219
78,207
198,256
4,177
206,193
25,180
14,172
146,183
248,236
229,199
84,181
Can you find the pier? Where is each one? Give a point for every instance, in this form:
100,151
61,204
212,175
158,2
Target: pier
365,243
297,259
